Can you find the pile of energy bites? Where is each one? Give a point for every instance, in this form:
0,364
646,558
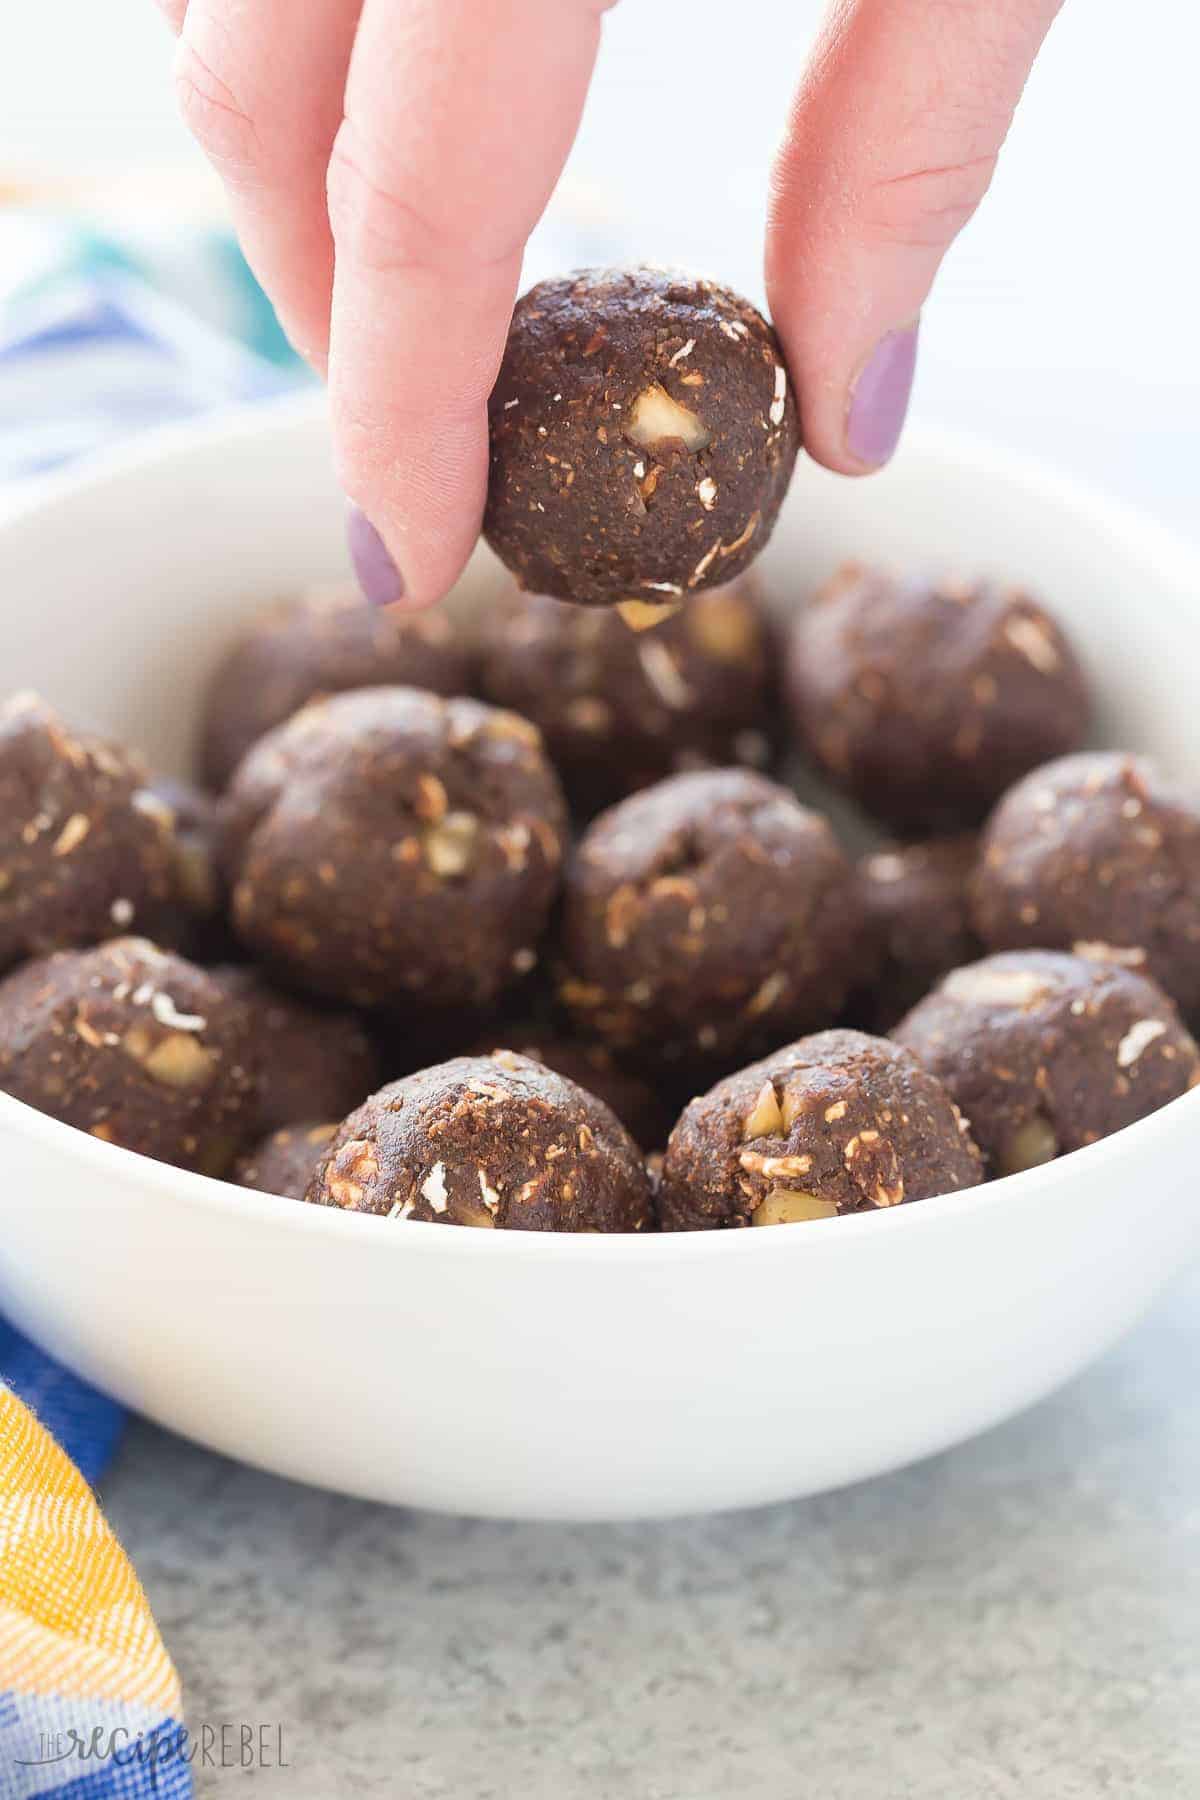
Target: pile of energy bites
519,925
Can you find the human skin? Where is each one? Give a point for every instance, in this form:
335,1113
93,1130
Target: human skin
386,161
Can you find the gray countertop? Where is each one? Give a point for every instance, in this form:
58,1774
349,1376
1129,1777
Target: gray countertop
1019,1617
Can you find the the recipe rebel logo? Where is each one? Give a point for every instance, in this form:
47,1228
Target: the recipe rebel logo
228,1744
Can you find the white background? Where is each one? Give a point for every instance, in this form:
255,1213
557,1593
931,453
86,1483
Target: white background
1066,321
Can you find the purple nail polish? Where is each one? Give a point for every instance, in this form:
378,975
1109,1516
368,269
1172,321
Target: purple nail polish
879,398
378,576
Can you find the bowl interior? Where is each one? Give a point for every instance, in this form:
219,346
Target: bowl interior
127,583
747,1365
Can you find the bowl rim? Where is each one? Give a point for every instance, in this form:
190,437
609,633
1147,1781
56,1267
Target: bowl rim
1142,1141
1148,539
1175,561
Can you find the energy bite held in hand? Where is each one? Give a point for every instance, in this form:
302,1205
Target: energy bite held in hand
285,1162
388,846
926,699
1100,854
495,1141
643,434
322,642
620,709
87,849
837,1123
134,1045
1046,1052
707,915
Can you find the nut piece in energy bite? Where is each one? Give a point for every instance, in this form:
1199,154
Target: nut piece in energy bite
134,1045
495,1141
925,699
1098,854
837,1123
87,851
1045,1052
198,926
388,846
704,916
641,1109
285,1162
620,709
196,825
917,923
310,1062
324,641
643,434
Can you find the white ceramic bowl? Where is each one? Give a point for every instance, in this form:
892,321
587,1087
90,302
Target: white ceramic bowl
555,1376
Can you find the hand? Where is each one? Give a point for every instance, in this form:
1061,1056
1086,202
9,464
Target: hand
386,161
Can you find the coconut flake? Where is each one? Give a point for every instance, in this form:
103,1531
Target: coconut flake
167,1013
1138,1038
434,1188
777,405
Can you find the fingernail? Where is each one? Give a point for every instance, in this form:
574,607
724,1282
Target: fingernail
378,576
879,397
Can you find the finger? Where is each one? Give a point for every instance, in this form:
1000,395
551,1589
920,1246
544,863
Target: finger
173,12
891,144
452,142
260,85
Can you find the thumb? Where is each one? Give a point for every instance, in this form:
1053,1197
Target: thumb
890,147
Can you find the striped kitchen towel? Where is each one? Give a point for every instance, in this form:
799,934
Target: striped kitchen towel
89,1702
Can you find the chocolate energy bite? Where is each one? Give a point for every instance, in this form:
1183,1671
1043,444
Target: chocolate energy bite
325,641
1099,854
1045,1052
499,1141
620,709
915,904
87,851
837,1123
285,1162
197,925
705,915
195,827
638,1105
643,434
927,699
389,846
310,1062
134,1045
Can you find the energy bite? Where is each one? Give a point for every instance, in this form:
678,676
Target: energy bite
325,641
134,1045
195,826
495,1140
309,1062
1099,854
1046,1052
620,709
927,699
705,915
285,1162
643,434
591,1066
389,846
917,921
837,1123
196,926
87,851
